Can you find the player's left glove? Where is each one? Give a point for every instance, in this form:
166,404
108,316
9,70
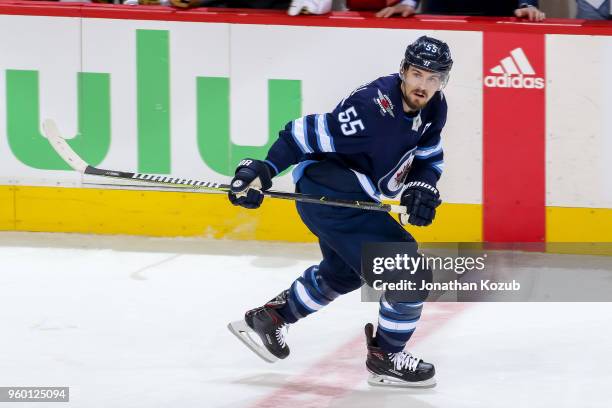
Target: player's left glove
251,178
421,200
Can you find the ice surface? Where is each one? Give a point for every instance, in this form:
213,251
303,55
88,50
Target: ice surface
141,322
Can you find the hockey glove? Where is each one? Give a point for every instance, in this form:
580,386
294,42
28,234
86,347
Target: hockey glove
421,200
251,178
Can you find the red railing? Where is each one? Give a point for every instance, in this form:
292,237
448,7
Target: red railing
279,17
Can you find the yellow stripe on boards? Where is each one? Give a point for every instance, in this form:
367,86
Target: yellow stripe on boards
7,208
55,209
98,211
569,224
149,213
592,227
453,223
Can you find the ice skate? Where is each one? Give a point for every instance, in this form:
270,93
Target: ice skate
396,369
269,326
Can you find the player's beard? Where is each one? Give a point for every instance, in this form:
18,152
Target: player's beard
417,102
414,102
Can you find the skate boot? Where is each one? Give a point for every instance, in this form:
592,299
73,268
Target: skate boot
396,369
268,325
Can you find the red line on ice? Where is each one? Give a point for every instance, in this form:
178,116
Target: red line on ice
337,374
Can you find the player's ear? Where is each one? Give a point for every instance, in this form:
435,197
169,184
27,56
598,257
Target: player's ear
402,68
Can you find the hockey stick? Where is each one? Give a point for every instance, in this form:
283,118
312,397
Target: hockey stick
167,183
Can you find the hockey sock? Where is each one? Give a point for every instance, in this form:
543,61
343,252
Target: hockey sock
307,294
396,323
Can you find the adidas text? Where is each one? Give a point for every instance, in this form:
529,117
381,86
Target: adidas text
507,81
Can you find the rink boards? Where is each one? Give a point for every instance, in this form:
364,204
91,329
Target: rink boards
528,142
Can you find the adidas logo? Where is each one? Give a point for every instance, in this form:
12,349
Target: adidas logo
514,71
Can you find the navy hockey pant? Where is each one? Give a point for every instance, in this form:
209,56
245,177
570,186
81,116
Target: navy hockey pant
341,232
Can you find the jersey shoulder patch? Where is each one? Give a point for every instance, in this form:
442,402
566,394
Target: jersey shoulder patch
384,103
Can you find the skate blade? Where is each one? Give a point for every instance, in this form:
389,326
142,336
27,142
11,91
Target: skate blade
379,380
242,331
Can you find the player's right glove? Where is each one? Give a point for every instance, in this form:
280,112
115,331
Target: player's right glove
421,200
251,178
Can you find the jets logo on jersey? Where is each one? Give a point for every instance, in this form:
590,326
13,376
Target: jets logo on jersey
384,103
393,182
401,174
514,71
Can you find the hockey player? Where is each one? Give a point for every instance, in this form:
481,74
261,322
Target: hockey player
384,138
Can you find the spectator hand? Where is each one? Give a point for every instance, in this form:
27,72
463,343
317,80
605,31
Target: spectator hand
309,7
186,3
531,13
403,9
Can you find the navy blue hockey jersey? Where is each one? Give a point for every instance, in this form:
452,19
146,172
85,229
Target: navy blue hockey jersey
370,134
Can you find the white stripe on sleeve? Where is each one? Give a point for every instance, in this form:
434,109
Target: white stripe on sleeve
300,136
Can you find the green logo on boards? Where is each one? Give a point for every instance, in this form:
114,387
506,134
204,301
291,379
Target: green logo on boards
23,120
93,139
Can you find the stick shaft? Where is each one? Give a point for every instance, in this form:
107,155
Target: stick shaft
66,152
209,187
